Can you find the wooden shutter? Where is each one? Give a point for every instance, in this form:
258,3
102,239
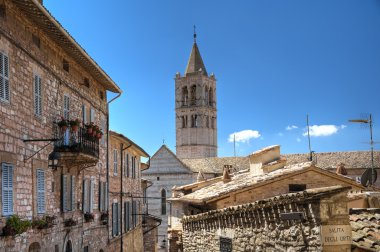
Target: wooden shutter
92,115
7,189
106,196
134,213
84,114
91,195
133,167
4,77
101,196
37,96
72,194
40,191
127,162
85,197
128,215
115,162
64,193
66,107
114,219
118,218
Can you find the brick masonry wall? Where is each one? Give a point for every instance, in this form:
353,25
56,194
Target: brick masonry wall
257,227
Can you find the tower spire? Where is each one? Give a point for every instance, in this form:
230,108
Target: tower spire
195,63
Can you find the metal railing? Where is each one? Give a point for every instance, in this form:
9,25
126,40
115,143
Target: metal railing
79,140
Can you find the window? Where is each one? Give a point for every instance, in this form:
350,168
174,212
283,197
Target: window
84,114
65,65
68,193
126,165
40,191
194,121
101,95
210,98
297,187
116,219
206,96
163,201
92,115
115,162
185,96
86,82
35,247
133,167
225,244
36,40
127,216
37,96
2,10
207,122
66,107
4,77
134,213
7,188
85,249
144,195
103,197
88,195
193,95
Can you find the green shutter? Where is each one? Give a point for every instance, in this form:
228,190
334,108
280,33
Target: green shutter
64,193
40,191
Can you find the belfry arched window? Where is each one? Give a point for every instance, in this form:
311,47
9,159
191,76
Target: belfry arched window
206,96
210,97
193,95
163,201
185,96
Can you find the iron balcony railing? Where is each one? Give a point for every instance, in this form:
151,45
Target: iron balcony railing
78,140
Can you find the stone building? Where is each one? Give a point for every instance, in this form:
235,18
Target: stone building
57,177
167,171
195,108
267,176
126,195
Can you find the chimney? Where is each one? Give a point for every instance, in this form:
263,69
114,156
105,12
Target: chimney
200,177
341,170
226,173
266,160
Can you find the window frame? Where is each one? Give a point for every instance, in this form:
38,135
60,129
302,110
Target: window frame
41,193
37,94
10,170
4,78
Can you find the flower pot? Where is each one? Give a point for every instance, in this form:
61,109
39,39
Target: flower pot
63,128
99,135
74,128
94,133
89,131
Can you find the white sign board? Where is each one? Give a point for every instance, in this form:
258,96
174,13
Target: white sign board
336,234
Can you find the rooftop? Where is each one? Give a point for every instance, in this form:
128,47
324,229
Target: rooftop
365,225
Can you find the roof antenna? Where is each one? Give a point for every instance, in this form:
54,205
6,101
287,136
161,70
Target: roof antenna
308,137
195,35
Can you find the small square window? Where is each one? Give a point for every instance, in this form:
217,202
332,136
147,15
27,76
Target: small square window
36,40
158,178
101,95
65,65
2,10
86,82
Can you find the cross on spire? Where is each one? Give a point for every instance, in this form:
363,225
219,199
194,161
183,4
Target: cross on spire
195,35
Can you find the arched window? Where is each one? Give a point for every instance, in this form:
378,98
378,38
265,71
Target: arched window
210,97
207,122
194,121
68,247
35,247
193,95
163,201
206,95
184,121
185,96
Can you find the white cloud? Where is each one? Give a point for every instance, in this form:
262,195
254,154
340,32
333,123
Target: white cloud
243,136
343,126
280,134
298,139
323,130
291,127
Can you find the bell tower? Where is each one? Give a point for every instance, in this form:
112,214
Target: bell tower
195,109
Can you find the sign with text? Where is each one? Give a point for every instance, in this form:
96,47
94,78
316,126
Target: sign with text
336,234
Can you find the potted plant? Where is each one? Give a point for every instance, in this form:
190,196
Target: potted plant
74,124
70,222
89,128
99,134
63,124
88,217
44,222
95,130
15,226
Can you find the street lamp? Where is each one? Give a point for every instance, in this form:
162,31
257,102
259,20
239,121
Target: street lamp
53,160
368,121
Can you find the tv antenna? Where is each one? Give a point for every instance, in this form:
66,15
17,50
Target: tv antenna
369,176
308,137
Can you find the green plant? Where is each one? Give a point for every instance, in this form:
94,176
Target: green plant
63,123
44,222
75,122
70,222
15,226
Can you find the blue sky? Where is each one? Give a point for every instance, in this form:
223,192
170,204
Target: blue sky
275,62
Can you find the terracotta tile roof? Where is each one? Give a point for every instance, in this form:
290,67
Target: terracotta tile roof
326,160
365,225
245,180
216,164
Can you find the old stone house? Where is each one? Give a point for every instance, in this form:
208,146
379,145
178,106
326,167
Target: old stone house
126,195
52,173
267,176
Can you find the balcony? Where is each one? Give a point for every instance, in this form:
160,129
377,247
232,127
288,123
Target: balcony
76,147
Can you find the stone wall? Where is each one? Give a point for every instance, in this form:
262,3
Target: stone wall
18,36
259,227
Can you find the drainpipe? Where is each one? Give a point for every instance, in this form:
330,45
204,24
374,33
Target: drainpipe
107,158
121,192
